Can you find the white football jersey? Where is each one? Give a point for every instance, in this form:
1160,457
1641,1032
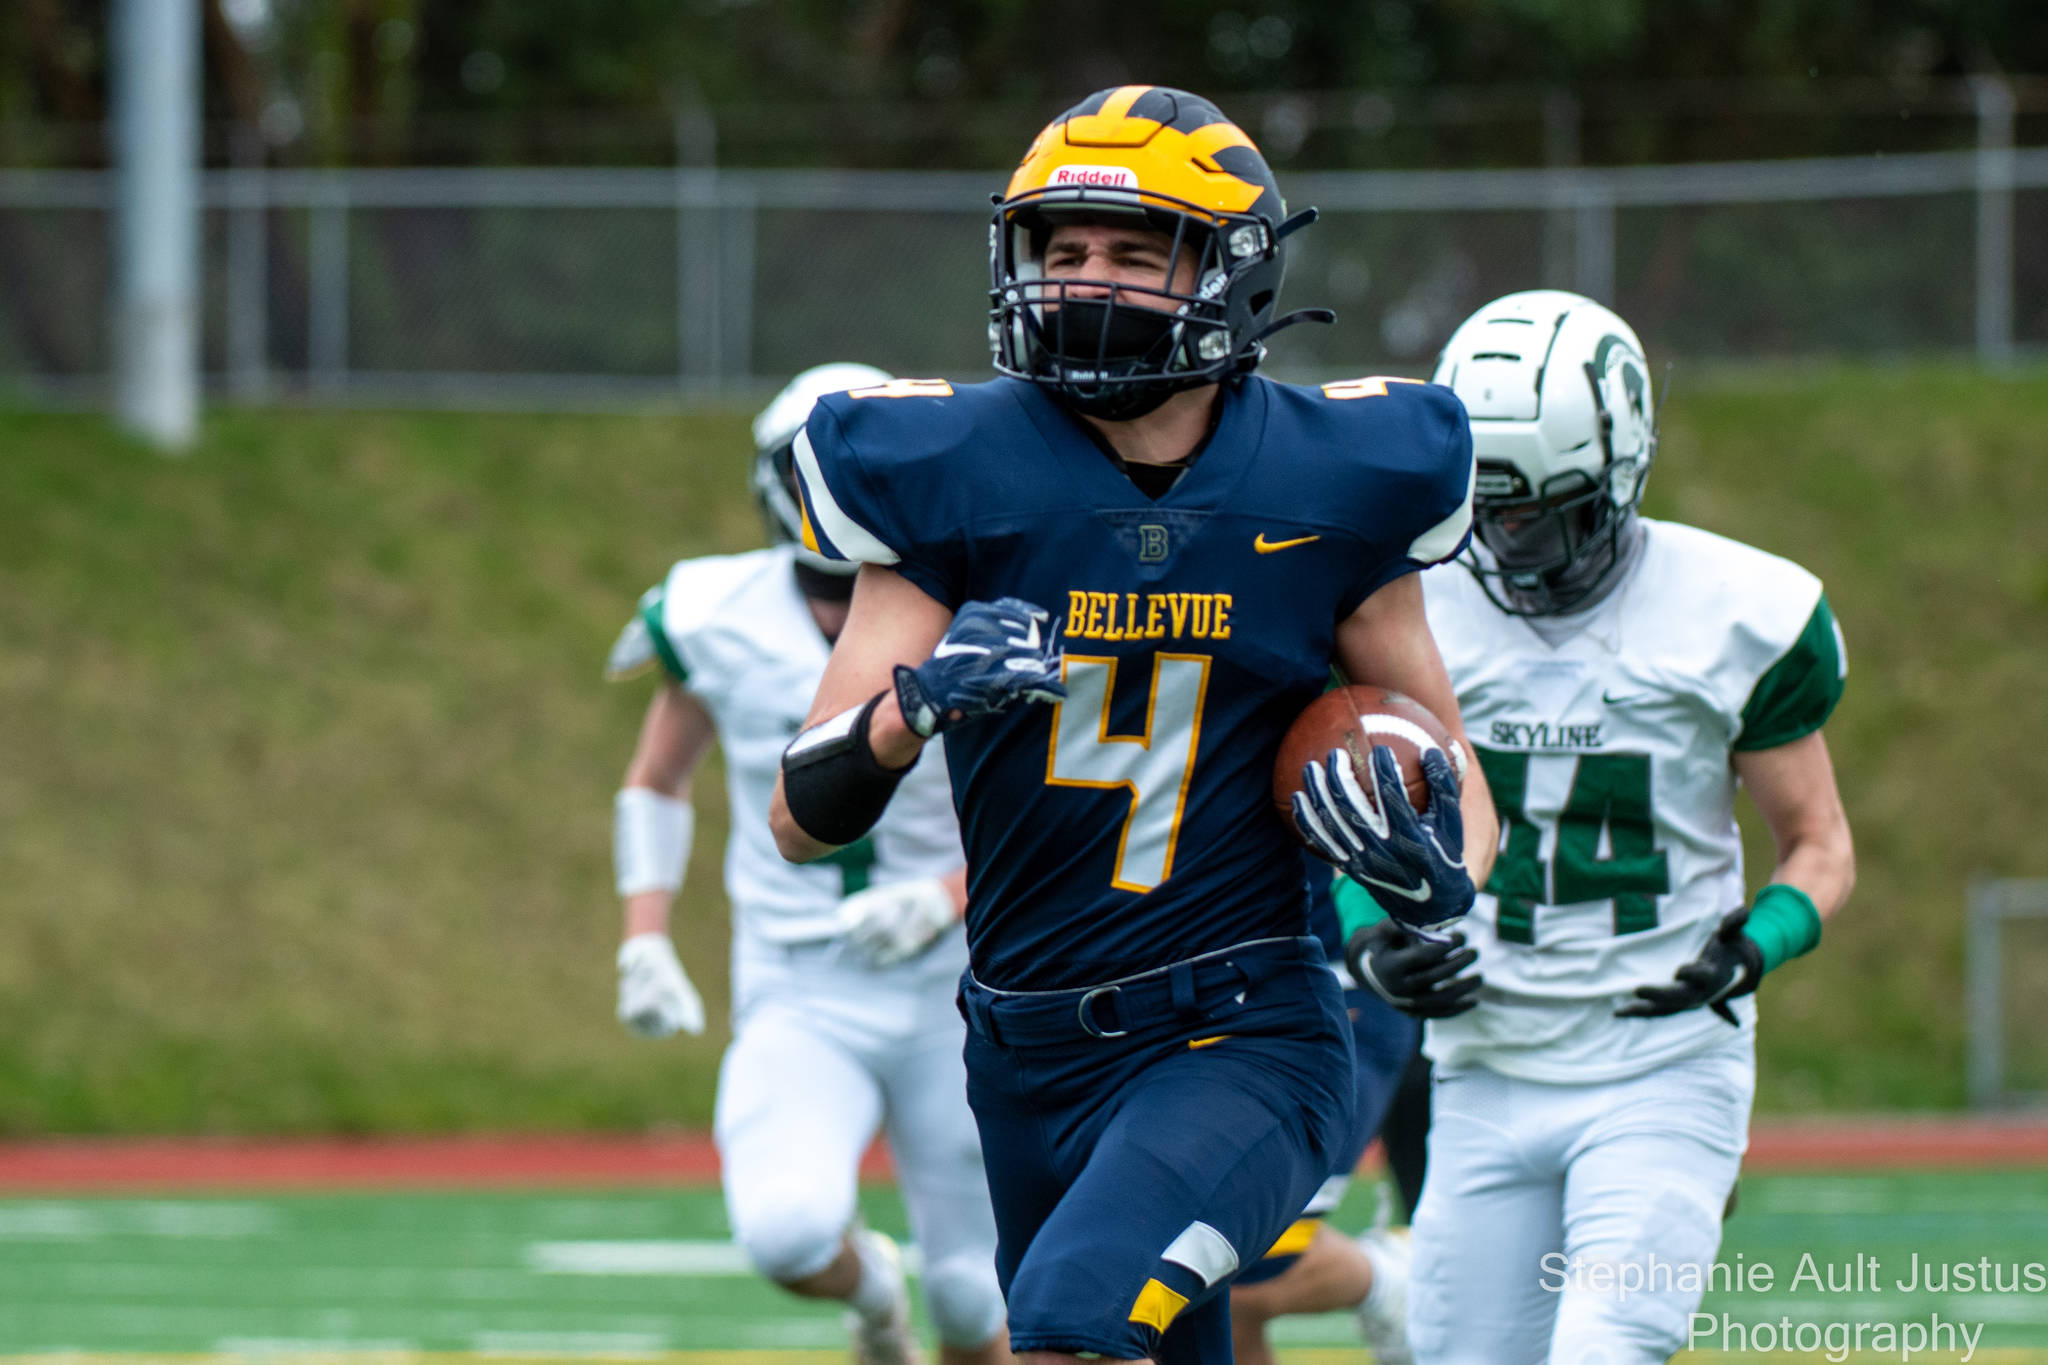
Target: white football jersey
1609,756
735,632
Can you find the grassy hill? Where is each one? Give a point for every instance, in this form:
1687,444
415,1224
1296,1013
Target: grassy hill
305,764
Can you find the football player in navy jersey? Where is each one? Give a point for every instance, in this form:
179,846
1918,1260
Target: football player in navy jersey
1112,578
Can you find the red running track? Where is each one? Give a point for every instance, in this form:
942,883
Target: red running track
521,1161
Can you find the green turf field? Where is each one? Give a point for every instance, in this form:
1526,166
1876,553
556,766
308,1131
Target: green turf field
641,1274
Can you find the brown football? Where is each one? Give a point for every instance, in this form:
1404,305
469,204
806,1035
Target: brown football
1356,718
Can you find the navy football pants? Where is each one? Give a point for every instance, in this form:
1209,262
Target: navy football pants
1383,1039
1133,1176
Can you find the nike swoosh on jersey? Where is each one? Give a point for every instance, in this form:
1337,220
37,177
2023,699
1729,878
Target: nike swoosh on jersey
949,649
1266,547
1613,700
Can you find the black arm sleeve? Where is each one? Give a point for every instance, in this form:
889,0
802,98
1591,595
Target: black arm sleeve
834,786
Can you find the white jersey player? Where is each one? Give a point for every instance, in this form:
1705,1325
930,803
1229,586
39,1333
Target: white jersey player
1620,679
843,971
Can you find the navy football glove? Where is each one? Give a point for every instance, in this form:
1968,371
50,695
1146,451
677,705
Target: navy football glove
1413,864
1418,976
995,655
1730,965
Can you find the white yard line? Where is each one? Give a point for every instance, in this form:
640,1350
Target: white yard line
699,1259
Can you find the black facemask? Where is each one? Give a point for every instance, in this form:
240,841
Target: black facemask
1558,563
1093,347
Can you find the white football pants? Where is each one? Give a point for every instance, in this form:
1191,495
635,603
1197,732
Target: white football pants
1575,1224
824,1053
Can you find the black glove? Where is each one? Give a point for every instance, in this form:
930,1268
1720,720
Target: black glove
1411,973
1730,965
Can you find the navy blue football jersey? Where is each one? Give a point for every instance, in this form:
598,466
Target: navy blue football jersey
1133,824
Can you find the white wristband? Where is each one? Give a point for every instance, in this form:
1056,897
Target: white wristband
650,840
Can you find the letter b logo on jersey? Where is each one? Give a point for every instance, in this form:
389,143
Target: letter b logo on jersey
1154,537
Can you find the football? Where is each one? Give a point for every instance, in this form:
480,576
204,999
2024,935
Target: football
1356,718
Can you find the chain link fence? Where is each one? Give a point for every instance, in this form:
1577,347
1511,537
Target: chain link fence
610,287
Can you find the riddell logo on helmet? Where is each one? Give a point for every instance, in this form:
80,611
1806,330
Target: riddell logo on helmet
1106,177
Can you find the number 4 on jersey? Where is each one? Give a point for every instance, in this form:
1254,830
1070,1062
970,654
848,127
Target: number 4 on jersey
1154,767
1609,792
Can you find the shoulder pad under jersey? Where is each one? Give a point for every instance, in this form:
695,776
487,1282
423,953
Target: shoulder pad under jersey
1408,446
1782,665
880,471
668,613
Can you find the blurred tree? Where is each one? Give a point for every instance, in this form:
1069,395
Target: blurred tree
905,80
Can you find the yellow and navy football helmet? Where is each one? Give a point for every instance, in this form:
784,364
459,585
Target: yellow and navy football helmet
1172,159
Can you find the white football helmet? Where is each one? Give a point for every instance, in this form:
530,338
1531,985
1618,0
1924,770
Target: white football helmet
774,476
1563,432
